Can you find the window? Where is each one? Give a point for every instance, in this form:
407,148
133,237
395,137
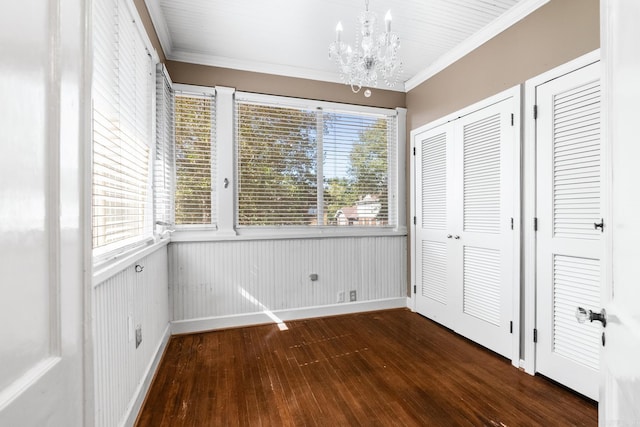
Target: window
163,176
123,94
195,159
314,165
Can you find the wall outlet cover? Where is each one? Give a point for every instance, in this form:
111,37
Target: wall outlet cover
352,296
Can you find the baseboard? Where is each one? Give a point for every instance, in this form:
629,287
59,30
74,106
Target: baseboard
143,388
281,316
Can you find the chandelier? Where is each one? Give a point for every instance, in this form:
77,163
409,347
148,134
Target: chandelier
374,55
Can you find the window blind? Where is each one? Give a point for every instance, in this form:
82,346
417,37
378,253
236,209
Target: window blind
195,159
164,155
314,166
122,119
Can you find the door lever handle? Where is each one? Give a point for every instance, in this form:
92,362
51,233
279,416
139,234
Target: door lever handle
449,236
583,315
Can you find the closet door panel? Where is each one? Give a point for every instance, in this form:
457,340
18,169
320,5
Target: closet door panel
434,296
486,140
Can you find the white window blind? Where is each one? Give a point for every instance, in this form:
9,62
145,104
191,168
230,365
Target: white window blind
314,166
123,84
164,158
195,159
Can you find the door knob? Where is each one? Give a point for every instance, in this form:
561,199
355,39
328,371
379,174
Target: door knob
583,315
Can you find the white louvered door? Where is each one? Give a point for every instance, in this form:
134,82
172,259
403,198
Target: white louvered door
464,196
486,173
434,168
569,246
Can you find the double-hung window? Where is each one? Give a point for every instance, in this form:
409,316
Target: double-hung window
122,97
195,159
309,164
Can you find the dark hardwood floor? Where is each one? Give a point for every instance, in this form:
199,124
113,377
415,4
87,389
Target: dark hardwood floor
387,368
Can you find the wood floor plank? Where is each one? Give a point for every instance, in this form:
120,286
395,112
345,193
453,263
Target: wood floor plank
387,368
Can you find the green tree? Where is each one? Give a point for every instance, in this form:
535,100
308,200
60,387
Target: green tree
193,160
368,170
277,149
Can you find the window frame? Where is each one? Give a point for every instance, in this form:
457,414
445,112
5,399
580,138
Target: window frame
206,91
227,167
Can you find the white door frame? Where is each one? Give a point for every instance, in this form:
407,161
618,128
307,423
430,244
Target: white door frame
529,200
516,93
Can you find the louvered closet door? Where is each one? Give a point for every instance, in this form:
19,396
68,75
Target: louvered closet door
568,245
485,169
435,298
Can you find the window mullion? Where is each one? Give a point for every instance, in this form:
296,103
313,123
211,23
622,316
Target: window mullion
226,182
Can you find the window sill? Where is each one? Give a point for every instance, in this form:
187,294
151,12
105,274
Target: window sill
244,234
106,269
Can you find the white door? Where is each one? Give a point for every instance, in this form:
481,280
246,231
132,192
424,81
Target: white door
620,366
41,257
435,266
483,222
569,243
464,191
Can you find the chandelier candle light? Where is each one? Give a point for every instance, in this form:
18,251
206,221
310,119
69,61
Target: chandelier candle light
373,54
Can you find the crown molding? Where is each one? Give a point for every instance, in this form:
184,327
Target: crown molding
160,25
509,18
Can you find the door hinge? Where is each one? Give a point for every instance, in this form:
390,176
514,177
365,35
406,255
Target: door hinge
535,112
535,224
414,220
511,327
414,151
535,335
415,289
511,119
512,223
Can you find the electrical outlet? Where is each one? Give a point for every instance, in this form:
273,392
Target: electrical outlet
138,335
341,296
352,296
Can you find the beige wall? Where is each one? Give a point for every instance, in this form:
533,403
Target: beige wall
270,84
554,34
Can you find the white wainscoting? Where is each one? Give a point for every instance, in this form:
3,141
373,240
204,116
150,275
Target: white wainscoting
226,279
122,372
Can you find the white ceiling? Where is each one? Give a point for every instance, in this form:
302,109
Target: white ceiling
291,37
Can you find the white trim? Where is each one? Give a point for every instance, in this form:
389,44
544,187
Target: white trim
281,316
288,101
109,269
143,387
517,228
194,89
226,166
401,169
529,199
411,244
160,25
313,232
509,18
